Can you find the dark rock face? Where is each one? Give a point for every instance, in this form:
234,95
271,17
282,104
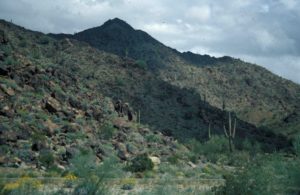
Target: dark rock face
123,109
3,71
3,38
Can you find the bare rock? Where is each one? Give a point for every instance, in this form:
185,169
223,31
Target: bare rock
52,105
122,151
71,128
8,90
121,123
6,111
192,164
50,127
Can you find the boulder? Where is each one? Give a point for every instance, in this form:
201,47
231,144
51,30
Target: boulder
137,138
8,90
121,123
6,111
192,164
9,136
122,151
52,105
121,136
71,152
39,145
71,128
50,127
155,160
132,149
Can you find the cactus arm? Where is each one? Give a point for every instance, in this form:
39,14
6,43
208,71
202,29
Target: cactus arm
234,128
225,131
209,134
229,122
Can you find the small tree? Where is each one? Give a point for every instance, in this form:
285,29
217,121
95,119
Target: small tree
230,133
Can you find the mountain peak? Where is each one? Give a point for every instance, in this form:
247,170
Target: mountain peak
117,22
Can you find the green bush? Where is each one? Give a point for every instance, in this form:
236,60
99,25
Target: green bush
268,174
153,138
120,81
141,163
93,176
23,43
46,158
10,61
44,40
141,64
296,145
6,49
173,159
212,149
107,131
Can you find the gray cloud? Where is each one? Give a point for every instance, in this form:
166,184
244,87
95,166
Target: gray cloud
265,32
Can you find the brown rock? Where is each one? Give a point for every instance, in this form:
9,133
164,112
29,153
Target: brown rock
192,164
9,136
39,145
122,151
50,127
8,90
6,111
71,128
121,123
3,160
52,105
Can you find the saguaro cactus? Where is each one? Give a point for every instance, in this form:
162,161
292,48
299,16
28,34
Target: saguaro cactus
209,131
230,133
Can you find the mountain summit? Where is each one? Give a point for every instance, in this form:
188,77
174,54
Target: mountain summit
117,23
254,93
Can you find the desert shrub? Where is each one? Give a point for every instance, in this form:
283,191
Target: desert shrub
252,147
46,158
6,49
239,158
107,131
141,64
153,138
10,61
212,149
296,145
120,81
23,185
23,43
268,174
43,40
173,159
36,54
141,163
93,176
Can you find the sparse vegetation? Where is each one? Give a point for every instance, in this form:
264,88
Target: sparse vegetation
58,120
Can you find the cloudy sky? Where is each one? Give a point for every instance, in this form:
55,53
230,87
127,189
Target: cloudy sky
266,32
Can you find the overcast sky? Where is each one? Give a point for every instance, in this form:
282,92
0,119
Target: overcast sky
266,32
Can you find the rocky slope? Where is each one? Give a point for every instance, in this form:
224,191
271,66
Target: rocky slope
60,97
255,94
